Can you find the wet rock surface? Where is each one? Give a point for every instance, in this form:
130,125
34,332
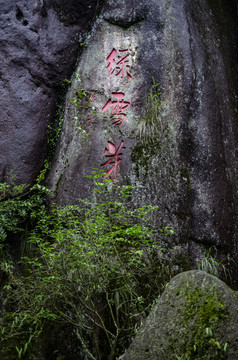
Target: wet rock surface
195,317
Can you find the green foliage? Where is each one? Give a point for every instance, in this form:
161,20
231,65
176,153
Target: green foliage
96,268
80,103
210,264
150,124
81,109
20,211
55,126
18,214
201,317
54,130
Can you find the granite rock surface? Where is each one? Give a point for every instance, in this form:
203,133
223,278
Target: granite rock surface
194,318
39,48
186,160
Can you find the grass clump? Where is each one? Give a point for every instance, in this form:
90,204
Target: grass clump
150,124
210,264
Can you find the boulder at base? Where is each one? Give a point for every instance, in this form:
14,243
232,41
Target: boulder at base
195,318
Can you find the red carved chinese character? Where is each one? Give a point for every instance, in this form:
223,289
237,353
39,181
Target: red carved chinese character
113,158
118,106
118,63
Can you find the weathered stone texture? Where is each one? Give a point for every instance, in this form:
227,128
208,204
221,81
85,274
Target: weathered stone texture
192,302
188,166
38,51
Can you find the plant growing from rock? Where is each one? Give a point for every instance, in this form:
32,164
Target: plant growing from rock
210,264
150,124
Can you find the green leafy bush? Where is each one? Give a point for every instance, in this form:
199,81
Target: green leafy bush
20,210
93,270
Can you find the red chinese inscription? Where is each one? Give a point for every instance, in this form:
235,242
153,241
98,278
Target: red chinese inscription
118,63
118,107
114,158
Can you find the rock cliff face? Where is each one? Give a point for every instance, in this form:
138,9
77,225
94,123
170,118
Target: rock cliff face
39,46
186,159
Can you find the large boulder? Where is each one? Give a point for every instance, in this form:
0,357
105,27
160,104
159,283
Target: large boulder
195,318
39,48
184,159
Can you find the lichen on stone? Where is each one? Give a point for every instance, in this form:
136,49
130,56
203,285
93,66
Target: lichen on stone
194,319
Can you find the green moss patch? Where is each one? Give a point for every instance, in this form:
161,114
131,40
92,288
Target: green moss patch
201,314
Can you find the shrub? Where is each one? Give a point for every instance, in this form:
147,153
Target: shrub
93,270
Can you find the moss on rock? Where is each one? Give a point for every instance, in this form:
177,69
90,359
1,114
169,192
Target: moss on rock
194,319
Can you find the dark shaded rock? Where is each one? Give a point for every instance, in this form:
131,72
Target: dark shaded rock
76,12
195,317
126,13
38,51
187,164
